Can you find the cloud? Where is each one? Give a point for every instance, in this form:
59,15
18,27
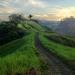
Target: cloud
4,2
37,3
57,13
7,10
23,6
47,16
43,9
65,12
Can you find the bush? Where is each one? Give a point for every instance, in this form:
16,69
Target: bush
9,32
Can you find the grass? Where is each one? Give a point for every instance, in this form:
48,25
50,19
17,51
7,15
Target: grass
61,50
61,39
36,26
31,26
18,56
21,55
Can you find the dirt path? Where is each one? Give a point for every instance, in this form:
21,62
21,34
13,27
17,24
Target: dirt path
56,66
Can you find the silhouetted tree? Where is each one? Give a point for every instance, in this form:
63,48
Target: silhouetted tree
30,16
16,18
9,30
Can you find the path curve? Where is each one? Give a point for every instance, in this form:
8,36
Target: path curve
56,66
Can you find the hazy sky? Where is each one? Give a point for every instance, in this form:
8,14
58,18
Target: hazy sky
44,9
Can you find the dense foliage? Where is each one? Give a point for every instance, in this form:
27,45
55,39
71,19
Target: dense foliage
10,31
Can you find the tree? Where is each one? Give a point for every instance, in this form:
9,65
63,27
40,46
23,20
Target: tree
30,16
16,18
9,32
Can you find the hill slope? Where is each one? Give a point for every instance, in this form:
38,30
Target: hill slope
21,55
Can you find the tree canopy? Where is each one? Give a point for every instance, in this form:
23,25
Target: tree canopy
9,30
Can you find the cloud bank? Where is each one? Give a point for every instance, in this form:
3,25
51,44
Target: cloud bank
44,9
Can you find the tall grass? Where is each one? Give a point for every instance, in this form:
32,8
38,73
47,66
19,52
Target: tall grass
61,50
18,56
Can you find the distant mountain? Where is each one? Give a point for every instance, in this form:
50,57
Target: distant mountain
67,26
50,24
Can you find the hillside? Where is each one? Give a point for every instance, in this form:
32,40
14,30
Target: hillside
23,55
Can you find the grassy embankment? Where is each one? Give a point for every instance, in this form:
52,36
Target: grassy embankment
65,52
61,39
19,56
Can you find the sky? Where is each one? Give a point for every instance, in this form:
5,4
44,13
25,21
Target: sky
43,9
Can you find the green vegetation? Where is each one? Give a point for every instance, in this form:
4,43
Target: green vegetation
61,50
17,27
17,45
35,26
31,26
19,56
16,18
61,39
10,31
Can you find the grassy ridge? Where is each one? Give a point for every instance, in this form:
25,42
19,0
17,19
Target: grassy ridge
35,26
62,40
31,26
64,51
23,58
21,55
